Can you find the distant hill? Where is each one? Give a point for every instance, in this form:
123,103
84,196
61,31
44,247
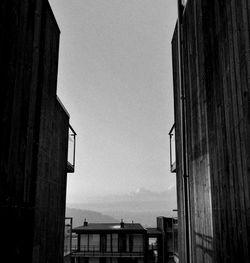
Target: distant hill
142,206
91,216
145,218
142,200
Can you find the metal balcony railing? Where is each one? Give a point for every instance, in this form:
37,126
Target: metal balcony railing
71,150
172,149
95,251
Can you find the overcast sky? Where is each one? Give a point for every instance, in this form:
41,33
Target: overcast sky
115,79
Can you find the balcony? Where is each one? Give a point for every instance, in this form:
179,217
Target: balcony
172,149
71,150
95,252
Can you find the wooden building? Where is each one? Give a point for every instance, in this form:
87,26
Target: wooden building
211,72
33,136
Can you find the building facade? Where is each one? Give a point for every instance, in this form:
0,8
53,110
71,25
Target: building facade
33,136
165,234
104,243
109,242
211,72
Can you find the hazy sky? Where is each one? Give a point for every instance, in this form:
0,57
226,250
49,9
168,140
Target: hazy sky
115,79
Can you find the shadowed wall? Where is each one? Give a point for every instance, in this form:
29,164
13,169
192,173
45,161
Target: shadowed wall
216,66
33,134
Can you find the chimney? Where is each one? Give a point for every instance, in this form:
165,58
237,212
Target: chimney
85,223
122,223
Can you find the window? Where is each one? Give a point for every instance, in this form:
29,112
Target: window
129,243
108,243
115,242
84,242
94,242
137,243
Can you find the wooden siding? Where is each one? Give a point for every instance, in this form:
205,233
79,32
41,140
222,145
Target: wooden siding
33,134
216,64
19,59
52,152
178,136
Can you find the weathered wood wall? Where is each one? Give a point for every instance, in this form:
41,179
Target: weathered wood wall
178,136
52,153
33,134
216,64
19,59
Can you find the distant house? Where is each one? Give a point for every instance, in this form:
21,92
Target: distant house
110,242
125,242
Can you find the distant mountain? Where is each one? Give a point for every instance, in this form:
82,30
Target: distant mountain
91,216
146,219
139,201
141,206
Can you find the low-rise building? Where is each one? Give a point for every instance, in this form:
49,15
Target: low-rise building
125,242
109,242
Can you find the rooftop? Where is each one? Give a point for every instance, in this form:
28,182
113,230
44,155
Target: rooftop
153,231
110,227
